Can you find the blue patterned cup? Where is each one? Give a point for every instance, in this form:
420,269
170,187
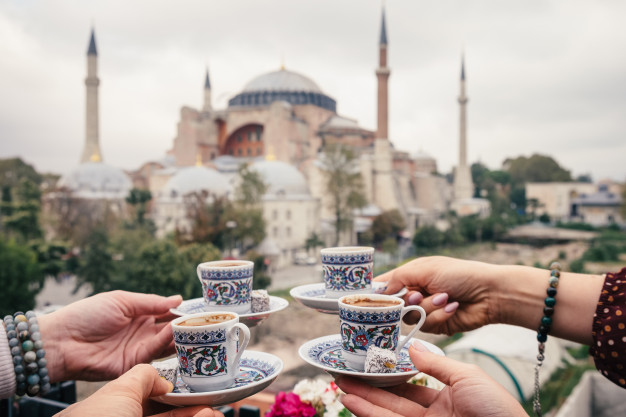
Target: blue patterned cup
372,319
226,285
209,348
347,270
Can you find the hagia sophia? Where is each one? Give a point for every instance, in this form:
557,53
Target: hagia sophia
279,124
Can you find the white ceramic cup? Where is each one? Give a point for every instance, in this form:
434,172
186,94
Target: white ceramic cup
377,324
347,270
226,285
209,348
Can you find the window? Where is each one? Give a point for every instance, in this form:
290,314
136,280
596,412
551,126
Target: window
258,151
288,214
275,214
239,138
239,152
288,231
275,231
250,139
249,151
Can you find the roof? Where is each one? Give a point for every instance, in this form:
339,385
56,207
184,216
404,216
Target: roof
340,122
96,180
281,178
282,80
383,31
92,50
601,198
195,179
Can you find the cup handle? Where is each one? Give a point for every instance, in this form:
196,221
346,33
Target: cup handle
415,329
232,372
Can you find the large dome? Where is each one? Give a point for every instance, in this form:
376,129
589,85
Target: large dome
281,178
96,180
196,179
282,85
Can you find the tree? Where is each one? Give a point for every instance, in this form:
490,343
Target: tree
387,225
138,200
313,242
20,277
96,266
428,237
248,213
344,186
537,168
24,207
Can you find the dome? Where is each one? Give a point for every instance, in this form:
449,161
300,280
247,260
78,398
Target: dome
281,178
193,179
282,80
282,85
96,180
421,155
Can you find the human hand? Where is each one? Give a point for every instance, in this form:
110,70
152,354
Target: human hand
469,392
128,396
432,281
101,337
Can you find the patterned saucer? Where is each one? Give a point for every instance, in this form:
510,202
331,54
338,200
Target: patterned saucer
314,296
325,353
257,370
197,305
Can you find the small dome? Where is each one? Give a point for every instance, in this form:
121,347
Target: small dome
282,80
96,180
423,155
281,178
195,179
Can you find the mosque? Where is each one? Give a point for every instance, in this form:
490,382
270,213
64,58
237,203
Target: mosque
279,124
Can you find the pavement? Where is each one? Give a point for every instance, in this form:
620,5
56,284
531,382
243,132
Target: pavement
295,275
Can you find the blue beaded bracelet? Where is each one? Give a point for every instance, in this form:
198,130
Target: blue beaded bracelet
31,373
545,326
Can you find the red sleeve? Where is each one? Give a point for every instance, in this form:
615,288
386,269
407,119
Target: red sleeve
609,329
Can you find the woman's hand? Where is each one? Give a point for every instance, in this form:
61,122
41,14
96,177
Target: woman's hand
101,337
469,392
128,396
433,281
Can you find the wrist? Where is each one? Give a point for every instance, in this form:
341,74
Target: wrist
519,293
52,341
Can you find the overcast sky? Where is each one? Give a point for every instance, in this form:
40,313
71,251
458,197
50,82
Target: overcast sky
543,76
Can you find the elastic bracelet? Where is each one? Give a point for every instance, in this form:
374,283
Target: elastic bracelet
31,373
545,326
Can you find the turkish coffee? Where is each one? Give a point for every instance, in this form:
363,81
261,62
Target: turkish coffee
206,320
367,302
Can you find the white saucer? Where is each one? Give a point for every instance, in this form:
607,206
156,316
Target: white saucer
314,296
257,370
325,353
197,305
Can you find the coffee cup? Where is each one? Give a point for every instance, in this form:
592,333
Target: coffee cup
209,348
226,285
372,319
347,270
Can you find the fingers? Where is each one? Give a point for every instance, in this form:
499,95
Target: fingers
157,346
366,401
437,308
444,369
196,411
424,396
137,304
143,381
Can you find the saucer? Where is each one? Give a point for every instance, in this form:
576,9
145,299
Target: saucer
325,353
197,305
314,296
257,370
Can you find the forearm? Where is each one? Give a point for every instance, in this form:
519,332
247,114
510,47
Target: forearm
521,292
53,344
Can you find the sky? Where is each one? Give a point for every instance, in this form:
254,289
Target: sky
543,76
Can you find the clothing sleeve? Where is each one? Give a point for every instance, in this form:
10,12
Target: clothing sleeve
7,374
609,329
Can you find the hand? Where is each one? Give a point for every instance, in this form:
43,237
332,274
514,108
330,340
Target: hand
101,337
469,392
433,280
128,396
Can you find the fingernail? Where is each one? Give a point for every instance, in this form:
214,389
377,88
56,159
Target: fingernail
418,346
415,298
451,308
340,397
171,387
175,297
440,299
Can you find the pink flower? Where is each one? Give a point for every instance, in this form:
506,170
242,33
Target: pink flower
289,405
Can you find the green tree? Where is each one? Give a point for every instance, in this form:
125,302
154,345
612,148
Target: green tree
193,255
387,225
344,186
13,170
248,213
428,237
537,168
96,266
24,221
313,242
20,277
138,200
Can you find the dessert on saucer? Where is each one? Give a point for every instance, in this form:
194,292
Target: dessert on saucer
325,353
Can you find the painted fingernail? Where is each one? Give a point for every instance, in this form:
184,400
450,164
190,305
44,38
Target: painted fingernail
175,297
170,386
415,298
418,346
440,299
451,308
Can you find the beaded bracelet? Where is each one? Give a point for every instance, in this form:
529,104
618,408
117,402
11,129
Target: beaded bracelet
28,354
545,326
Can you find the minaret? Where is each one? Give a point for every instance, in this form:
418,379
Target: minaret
382,73
463,186
207,107
383,194
91,151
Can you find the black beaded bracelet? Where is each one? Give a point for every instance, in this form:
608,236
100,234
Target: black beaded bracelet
31,373
545,326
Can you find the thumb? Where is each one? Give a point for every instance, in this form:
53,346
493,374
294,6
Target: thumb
444,369
144,381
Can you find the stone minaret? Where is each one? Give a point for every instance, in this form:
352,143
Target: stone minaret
382,73
207,107
463,186
383,187
91,151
